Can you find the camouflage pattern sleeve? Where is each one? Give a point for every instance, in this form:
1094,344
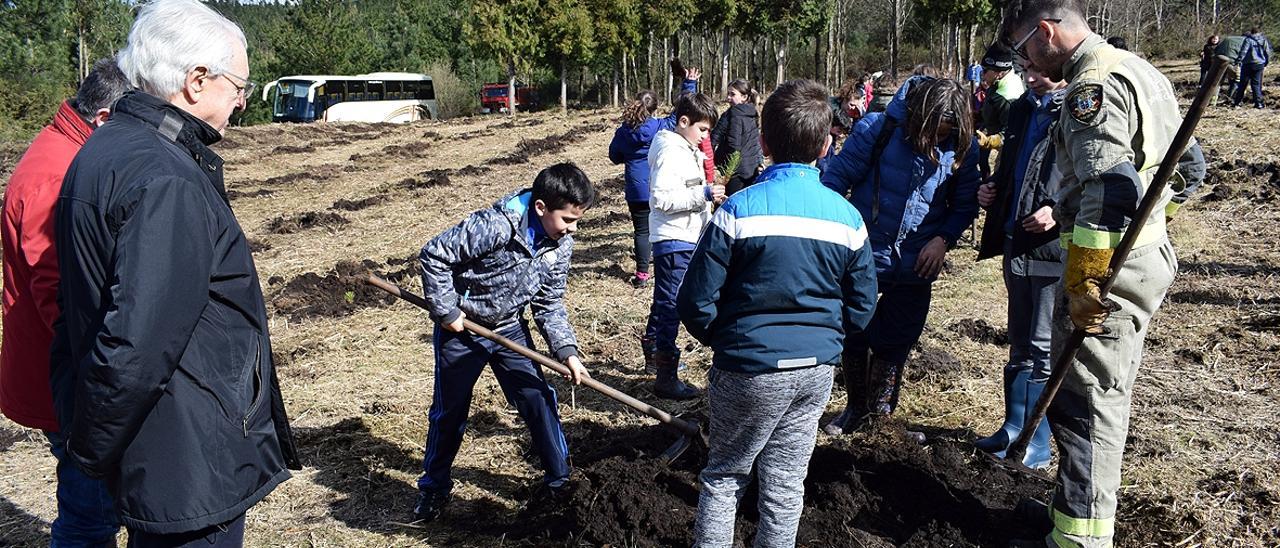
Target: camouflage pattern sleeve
549,313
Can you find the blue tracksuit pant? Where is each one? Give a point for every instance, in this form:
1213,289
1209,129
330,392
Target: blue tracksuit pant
460,358
664,321
897,324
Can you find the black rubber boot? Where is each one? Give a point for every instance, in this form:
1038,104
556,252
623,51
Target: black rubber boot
649,347
884,385
668,384
854,366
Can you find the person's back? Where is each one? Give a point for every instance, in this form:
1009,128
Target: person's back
780,277
85,511
1256,49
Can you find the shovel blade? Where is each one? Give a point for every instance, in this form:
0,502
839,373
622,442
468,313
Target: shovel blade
676,450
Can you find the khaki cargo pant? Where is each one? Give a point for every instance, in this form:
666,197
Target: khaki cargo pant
1090,415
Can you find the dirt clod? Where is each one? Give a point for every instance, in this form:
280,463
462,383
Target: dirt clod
338,292
980,330
304,221
357,205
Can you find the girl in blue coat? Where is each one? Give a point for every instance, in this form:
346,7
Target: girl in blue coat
630,145
912,172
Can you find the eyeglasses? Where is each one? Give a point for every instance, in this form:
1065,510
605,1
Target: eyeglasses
246,89
1020,48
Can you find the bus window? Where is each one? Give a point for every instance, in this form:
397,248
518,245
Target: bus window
393,91
426,91
374,92
355,91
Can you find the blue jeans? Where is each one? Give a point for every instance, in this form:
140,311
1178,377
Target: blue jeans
460,358
86,511
664,320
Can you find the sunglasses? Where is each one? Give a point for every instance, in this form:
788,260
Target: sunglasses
1020,47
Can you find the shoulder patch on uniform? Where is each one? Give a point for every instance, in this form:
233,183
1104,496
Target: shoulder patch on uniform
1085,102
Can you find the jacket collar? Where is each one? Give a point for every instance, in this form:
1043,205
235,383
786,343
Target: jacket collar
791,172
1072,66
69,123
178,126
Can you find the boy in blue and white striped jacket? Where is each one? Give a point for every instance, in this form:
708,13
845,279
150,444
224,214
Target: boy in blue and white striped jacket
781,275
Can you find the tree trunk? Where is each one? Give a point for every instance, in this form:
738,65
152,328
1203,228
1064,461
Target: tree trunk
780,55
648,59
564,86
511,88
832,53
614,82
666,64
817,58
896,8
725,50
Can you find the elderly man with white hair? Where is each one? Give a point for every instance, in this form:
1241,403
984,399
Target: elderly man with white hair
161,362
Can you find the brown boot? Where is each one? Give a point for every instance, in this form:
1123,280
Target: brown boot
668,384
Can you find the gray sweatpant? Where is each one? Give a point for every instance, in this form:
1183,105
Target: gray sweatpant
766,419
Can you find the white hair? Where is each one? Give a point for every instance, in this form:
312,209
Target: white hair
170,38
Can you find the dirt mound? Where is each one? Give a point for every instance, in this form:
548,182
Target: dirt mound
237,194
427,179
304,221
408,150
340,291
290,149
473,170
256,246
357,205
868,489
980,331
528,148
318,173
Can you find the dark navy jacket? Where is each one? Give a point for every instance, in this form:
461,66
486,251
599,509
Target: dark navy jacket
485,266
162,359
918,198
630,145
781,275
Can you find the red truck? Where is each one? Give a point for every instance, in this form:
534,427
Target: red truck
493,97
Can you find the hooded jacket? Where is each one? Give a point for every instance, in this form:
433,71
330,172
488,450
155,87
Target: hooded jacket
739,131
486,267
1256,50
163,335
679,207
31,270
918,199
630,146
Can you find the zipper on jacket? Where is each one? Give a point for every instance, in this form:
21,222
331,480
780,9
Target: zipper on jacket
257,389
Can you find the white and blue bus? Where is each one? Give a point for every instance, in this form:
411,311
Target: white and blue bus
396,97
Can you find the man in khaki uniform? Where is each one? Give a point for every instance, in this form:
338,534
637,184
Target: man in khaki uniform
1118,120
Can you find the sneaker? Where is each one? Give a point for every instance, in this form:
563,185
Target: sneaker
640,280
430,505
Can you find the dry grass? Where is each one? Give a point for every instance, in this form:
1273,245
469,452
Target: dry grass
1201,462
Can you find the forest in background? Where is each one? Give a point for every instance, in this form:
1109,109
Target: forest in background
575,52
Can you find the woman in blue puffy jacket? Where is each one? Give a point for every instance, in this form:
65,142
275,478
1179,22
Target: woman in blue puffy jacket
630,145
912,172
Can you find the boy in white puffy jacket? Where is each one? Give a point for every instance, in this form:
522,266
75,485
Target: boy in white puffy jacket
680,203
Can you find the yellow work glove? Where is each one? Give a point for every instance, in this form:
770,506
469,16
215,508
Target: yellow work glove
1086,270
990,142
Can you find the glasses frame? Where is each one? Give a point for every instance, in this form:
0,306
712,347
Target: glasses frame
1020,48
245,90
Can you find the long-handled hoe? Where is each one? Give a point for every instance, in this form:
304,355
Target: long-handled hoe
1019,448
690,431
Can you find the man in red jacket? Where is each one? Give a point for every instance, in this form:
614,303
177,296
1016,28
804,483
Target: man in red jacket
86,515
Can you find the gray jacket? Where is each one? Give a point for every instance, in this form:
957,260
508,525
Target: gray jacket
486,267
